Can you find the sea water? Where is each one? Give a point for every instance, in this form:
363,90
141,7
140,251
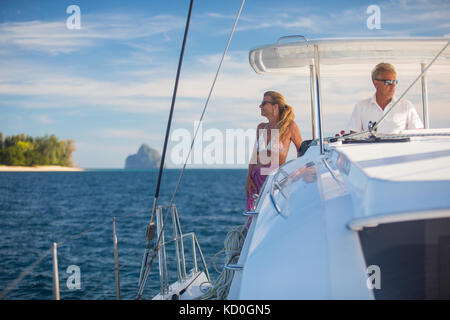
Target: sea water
76,210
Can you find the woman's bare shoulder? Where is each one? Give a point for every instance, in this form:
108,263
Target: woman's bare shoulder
293,125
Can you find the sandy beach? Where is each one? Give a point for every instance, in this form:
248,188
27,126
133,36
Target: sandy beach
38,168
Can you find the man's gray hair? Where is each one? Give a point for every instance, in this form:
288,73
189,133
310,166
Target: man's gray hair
382,67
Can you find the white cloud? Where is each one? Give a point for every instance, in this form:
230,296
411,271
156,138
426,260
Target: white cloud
308,23
216,15
50,37
234,102
142,82
43,118
55,38
398,18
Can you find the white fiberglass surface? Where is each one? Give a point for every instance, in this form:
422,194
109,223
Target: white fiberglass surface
296,55
387,178
421,159
307,252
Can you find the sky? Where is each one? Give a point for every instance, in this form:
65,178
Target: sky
108,84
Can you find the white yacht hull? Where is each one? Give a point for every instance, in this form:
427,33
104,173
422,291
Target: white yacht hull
344,225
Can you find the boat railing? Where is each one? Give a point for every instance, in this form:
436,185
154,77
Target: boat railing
277,185
54,251
181,263
296,36
185,256
179,250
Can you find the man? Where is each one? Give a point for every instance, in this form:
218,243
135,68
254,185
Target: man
403,117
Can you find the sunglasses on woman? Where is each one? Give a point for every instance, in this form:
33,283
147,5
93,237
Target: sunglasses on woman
263,103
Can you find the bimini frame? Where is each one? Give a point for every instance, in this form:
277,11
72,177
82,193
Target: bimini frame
294,56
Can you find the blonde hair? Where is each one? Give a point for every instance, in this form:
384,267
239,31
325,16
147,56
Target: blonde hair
382,67
286,112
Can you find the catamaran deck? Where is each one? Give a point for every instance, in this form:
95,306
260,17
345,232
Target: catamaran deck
424,158
312,248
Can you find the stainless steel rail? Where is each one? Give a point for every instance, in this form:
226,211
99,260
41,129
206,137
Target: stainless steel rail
297,36
276,185
178,239
234,267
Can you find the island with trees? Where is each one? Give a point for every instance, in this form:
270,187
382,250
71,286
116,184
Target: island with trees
26,151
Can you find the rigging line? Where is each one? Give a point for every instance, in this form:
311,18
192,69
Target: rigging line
24,273
146,273
204,110
172,107
121,267
207,100
108,276
413,83
79,235
151,226
409,135
357,134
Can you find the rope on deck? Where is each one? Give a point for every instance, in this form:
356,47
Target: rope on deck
232,248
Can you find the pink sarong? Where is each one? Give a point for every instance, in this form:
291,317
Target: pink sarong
258,179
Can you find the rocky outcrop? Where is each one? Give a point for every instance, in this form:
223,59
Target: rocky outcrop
145,158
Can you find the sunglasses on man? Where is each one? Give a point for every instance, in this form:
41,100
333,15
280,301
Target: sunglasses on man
388,82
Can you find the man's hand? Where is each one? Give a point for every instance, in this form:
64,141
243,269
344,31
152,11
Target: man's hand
342,133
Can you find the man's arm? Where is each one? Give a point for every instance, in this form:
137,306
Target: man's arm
413,119
355,122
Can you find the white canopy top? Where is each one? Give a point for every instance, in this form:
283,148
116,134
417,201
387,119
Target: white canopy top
291,56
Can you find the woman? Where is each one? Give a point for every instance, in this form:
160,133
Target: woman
268,154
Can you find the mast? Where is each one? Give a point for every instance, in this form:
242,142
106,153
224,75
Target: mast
151,227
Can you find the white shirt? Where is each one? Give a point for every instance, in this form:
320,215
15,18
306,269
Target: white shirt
403,117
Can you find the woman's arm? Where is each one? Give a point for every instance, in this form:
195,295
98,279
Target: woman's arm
296,137
253,161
